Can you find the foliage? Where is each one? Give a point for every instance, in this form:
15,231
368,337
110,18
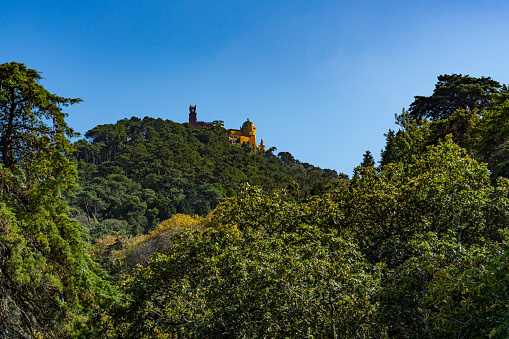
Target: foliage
146,170
472,110
367,160
451,281
25,109
47,278
274,213
417,247
269,263
453,92
493,137
225,283
139,249
120,254
448,290
443,190
407,144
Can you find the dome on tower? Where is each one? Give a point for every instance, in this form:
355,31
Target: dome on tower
245,124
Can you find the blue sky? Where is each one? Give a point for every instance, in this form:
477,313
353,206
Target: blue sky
319,79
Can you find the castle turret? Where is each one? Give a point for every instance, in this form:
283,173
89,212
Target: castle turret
249,132
248,128
192,115
193,121
261,146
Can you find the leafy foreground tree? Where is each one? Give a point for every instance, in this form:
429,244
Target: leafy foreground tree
272,267
244,280
443,190
224,284
440,224
437,222
473,110
448,290
47,278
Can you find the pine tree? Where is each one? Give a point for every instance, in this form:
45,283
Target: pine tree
47,277
368,160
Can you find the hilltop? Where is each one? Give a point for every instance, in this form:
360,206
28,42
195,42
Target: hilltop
138,172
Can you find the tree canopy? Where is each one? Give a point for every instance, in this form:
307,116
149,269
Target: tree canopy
481,130
47,277
26,108
145,170
377,257
453,92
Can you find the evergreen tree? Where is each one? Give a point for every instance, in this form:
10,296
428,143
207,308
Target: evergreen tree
453,92
46,274
368,160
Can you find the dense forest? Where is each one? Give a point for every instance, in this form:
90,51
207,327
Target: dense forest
153,229
136,173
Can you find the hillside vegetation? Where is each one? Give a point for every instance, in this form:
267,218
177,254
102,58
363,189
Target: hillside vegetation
136,173
401,252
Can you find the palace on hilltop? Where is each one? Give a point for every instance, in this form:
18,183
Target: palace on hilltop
246,133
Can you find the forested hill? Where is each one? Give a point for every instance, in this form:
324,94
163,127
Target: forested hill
137,172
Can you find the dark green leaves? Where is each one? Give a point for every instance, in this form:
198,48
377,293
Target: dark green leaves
47,277
453,92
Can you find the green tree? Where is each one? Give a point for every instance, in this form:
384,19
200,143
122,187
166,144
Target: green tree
448,290
25,109
286,157
454,92
466,129
478,125
221,283
443,190
367,160
408,143
47,277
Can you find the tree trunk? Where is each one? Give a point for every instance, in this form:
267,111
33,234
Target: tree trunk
6,146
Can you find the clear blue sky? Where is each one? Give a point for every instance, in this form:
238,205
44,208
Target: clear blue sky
319,79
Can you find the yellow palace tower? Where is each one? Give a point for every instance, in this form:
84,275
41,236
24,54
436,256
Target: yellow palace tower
247,133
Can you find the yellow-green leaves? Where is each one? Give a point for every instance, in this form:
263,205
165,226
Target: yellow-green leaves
222,282
444,189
